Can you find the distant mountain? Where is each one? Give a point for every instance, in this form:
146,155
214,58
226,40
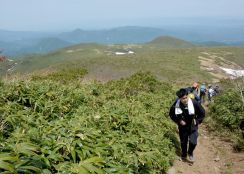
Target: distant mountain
113,36
9,48
135,34
237,43
211,43
48,44
33,46
22,42
170,42
214,43
12,36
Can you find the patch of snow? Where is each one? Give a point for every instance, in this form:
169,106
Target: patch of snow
119,53
69,51
232,72
124,52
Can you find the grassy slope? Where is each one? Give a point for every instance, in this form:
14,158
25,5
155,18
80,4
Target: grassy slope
167,64
170,42
179,65
235,54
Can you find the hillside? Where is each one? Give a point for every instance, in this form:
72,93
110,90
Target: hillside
170,42
47,45
11,36
164,57
57,119
25,47
103,64
10,48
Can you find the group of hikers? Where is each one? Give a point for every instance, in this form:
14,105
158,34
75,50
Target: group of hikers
200,93
187,112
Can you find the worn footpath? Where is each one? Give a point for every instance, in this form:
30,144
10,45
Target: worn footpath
212,156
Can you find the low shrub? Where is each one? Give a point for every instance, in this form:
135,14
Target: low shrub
118,127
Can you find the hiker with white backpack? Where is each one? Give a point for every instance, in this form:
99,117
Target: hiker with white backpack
211,92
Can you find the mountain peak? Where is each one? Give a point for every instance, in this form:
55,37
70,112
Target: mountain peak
170,42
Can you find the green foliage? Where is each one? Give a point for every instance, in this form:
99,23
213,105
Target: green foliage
64,75
227,112
228,109
118,127
1,82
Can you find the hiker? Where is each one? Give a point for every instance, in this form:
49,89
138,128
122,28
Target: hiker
203,91
196,92
193,92
216,89
211,92
187,114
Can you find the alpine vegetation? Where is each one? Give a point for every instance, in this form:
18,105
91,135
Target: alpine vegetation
122,126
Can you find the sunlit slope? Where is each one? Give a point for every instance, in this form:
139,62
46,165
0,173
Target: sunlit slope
168,64
169,42
231,53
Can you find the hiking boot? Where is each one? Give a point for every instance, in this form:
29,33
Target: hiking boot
191,159
182,159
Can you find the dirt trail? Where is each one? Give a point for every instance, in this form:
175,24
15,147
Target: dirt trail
213,156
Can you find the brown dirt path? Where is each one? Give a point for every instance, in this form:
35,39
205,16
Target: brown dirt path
213,156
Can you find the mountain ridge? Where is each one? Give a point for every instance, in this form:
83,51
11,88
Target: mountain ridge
18,42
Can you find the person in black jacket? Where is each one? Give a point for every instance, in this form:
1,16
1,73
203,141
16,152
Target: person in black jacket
187,114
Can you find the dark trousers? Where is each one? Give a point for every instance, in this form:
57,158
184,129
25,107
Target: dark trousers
202,97
185,136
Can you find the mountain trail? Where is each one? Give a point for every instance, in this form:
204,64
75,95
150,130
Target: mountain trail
212,156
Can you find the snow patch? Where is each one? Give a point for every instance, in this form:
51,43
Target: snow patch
233,72
131,52
119,53
70,51
124,52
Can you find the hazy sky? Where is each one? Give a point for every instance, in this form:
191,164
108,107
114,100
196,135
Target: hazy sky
96,14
